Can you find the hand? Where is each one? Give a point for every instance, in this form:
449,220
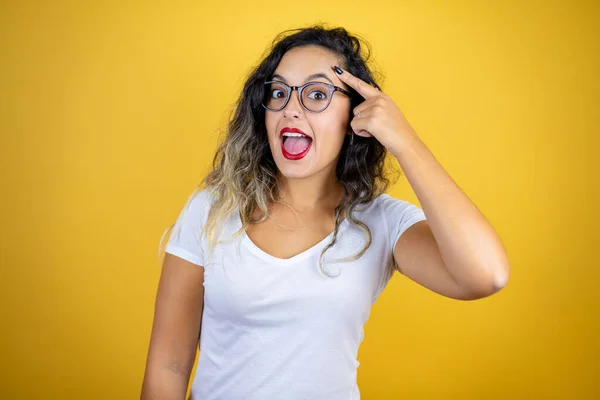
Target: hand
378,115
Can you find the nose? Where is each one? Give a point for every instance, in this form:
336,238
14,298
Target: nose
293,109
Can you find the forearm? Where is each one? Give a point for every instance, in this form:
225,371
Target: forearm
162,383
470,247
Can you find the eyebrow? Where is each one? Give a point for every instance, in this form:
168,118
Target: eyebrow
308,79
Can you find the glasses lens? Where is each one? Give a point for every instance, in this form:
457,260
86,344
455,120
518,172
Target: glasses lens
316,97
275,96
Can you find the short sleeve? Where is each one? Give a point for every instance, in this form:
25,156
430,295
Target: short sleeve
186,237
396,217
399,215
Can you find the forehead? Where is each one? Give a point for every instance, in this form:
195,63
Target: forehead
300,62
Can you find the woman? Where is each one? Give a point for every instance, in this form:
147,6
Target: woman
279,258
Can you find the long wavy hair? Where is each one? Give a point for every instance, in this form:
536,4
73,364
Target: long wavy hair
244,174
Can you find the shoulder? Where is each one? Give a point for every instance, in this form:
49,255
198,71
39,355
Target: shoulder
199,200
392,215
385,206
387,203
196,208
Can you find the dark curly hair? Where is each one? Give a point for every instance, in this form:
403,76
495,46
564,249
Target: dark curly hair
244,174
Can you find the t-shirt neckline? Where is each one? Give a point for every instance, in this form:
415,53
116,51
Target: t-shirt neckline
263,255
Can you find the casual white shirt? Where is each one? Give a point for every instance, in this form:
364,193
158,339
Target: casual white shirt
277,328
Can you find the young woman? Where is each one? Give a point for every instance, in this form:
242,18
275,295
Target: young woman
273,266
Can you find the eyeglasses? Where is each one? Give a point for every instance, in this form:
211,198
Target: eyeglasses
314,96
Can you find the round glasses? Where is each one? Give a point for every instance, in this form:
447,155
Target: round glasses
314,96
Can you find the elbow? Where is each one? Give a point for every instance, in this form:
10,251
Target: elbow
499,276
496,278
493,282
500,279
493,273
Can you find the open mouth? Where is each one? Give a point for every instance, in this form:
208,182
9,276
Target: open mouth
295,145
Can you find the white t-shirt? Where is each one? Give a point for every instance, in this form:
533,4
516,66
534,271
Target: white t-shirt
279,328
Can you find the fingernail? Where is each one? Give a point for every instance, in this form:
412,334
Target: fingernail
338,70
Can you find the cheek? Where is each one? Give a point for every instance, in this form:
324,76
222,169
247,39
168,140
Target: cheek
271,125
333,131
337,124
268,121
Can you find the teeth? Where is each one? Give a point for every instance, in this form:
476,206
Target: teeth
292,134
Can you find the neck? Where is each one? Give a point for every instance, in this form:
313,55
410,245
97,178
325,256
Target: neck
311,193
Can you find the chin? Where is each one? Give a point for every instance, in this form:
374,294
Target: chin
294,175
294,169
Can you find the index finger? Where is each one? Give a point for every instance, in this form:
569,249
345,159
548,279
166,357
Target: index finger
362,87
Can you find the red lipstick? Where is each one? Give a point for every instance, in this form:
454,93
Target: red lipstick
294,156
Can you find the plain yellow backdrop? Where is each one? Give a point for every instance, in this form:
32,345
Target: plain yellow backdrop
108,120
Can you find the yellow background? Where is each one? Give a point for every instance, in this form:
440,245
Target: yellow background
108,115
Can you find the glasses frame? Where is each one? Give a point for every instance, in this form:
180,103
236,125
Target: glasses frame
299,89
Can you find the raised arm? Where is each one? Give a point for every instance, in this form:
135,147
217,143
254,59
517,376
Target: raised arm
456,252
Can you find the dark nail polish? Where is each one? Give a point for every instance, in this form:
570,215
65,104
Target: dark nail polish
338,70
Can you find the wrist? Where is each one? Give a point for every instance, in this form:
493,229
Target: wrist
407,142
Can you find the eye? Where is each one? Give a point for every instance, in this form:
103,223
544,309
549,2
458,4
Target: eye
277,94
316,92
317,95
